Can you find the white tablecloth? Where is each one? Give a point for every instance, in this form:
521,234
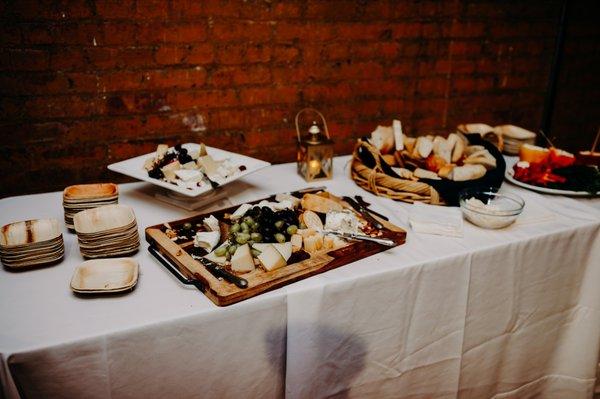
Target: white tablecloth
510,313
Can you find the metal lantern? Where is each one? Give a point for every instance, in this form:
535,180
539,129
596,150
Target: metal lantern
315,150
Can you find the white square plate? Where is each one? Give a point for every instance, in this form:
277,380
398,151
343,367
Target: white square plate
105,276
134,167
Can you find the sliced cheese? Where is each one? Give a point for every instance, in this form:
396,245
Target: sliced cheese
270,259
210,166
207,239
285,204
345,221
328,242
161,150
306,232
192,175
240,212
211,223
149,163
242,261
260,246
288,197
285,249
296,241
217,259
313,243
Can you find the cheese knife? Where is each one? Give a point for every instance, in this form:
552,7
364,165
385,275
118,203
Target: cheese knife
362,237
364,203
364,212
218,271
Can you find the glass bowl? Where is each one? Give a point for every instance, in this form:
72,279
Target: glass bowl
485,207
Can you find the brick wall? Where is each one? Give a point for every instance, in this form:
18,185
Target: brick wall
87,83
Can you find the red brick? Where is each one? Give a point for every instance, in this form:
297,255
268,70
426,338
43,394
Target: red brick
364,31
278,95
24,60
148,9
112,9
338,92
285,53
232,76
201,53
243,31
360,70
406,30
468,29
160,33
203,99
286,10
186,9
431,86
32,10
285,32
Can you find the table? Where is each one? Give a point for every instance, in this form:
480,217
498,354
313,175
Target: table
510,313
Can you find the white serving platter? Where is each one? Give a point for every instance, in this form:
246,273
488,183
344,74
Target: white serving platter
544,190
134,167
105,276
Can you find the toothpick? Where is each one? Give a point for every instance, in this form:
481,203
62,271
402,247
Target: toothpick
546,137
595,141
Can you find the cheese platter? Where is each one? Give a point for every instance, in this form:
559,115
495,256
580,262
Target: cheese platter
242,251
189,169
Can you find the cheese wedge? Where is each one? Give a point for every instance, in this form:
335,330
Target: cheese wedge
210,166
242,261
240,212
285,249
270,259
211,223
161,150
217,259
313,243
296,241
207,239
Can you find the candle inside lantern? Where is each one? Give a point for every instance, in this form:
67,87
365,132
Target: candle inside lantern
314,167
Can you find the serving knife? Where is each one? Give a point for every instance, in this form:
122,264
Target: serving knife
362,237
364,212
299,193
218,271
364,203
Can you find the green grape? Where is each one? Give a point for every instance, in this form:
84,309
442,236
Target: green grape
292,229
235,228
242,238
221,251
279,237
256,237
248,220
302,225
279,224
255,252
232,248
244,227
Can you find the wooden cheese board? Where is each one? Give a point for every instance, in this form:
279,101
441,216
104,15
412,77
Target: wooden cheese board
178,257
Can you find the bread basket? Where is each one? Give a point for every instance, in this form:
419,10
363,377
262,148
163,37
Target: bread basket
371,172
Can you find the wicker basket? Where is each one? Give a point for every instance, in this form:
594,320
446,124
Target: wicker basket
377,181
